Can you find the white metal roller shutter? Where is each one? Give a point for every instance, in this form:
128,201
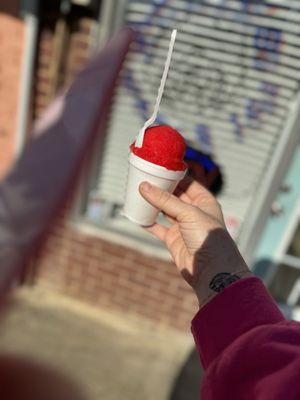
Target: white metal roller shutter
234,73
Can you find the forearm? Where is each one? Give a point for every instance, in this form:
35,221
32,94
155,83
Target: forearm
226,267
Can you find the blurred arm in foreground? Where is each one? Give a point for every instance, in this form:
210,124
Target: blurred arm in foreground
35,190
247,349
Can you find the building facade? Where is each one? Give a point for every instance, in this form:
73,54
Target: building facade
248,121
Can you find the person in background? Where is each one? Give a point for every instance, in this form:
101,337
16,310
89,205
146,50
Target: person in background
247,349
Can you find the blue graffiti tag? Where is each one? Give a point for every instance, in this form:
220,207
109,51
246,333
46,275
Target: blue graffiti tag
204,137
140,103
267,42
237,126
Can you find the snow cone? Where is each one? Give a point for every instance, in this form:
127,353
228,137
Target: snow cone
160,162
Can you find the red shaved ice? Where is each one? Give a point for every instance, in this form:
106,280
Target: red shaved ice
164,146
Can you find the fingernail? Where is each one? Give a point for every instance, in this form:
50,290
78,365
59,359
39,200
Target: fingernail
146,187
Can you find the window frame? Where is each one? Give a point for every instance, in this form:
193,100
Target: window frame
282,258
281,253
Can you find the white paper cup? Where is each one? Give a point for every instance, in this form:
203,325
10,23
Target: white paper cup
136,208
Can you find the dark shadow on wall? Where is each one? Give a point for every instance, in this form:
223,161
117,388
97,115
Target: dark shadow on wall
11,7
187,383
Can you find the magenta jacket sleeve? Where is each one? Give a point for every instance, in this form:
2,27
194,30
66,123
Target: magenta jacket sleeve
247,349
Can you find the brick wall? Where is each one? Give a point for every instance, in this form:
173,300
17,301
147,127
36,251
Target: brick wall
11,47
114,277
64,47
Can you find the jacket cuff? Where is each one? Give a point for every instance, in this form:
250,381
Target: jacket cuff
240,307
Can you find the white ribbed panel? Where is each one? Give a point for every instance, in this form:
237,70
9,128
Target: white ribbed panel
216,76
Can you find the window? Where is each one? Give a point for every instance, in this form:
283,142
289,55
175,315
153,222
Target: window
228,92
285,286
294,248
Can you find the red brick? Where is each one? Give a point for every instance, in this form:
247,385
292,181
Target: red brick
115,277
86,25
11,52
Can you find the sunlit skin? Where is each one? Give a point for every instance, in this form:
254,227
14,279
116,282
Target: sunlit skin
197,237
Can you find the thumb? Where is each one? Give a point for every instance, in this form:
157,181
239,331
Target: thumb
163,200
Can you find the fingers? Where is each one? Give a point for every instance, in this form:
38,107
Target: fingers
200,197
158,230
182,195
192,188
163,200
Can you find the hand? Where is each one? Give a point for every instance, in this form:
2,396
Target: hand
197,237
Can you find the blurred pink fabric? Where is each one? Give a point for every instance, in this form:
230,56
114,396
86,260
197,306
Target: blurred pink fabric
41,178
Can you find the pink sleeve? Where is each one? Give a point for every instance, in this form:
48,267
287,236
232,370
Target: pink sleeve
247,349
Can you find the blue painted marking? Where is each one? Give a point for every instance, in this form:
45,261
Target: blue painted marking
253,109
251,6
267,42
238,128
245,5
140,103
269,88
202,159
203,135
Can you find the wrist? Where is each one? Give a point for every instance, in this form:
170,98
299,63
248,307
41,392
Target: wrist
218,272
213,284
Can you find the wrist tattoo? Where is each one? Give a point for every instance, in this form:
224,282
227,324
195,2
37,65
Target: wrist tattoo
222,280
